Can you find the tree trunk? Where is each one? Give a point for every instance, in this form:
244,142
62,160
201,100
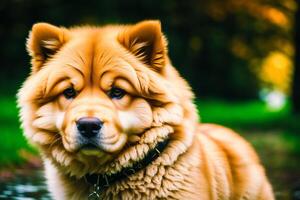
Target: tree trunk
296,78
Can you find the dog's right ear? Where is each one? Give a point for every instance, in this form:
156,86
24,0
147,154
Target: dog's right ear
43,42
146,41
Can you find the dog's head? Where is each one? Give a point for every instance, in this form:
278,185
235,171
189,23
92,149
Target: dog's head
94,93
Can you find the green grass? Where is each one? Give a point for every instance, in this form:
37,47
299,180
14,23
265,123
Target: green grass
11,138
246,115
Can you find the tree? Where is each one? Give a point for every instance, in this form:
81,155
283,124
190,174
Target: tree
296,78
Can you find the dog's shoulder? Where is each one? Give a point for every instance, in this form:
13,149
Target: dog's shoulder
226,152
237,149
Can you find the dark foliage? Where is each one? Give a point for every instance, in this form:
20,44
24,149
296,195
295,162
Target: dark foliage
201,37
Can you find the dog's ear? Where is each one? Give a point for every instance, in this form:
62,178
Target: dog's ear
146,41
43,42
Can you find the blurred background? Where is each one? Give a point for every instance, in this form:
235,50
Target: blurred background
242,58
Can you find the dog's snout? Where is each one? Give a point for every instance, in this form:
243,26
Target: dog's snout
89,126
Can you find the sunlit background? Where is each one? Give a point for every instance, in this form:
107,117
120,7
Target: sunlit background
240,56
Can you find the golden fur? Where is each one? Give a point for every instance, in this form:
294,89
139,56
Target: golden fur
202,161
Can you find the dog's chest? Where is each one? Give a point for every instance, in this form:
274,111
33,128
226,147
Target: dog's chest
157,182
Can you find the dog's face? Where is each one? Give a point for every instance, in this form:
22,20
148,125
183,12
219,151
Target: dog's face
93,90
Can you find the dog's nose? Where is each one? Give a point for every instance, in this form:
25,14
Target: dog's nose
89,126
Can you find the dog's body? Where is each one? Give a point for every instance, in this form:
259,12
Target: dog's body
100,99
211,168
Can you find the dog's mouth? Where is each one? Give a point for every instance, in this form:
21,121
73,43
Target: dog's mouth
89,146
91,149
98,147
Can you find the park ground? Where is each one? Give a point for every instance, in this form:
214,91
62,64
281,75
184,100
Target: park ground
274,134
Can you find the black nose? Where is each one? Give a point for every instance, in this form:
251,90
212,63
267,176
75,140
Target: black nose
89,126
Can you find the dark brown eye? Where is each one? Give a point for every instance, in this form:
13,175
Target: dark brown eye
69,93
116,93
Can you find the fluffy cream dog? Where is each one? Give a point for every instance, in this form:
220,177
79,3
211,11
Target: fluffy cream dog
113,119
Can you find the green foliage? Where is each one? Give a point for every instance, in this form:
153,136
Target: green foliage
249,114
11,138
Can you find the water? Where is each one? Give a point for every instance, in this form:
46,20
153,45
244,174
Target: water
24,186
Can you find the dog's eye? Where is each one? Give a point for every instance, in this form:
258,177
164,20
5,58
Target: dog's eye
69,93
116,93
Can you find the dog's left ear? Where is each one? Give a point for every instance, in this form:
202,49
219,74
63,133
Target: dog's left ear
146,41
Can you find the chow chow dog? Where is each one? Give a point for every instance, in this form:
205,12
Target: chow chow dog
113,119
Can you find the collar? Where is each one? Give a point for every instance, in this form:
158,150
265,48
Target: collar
103,181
